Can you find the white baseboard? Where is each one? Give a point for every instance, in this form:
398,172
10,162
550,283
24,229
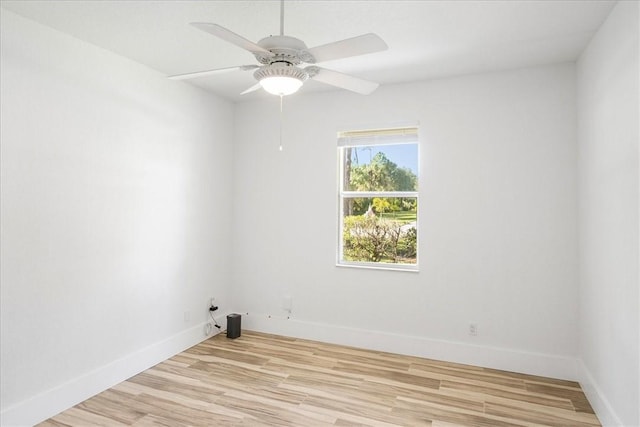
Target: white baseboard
547,365
599,403
49,403
54,401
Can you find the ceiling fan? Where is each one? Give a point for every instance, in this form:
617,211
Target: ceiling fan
281,58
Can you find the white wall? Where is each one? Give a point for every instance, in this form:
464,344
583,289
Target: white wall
498,236
115,217
608,135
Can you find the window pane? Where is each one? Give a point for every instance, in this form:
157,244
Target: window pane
380,168
380,229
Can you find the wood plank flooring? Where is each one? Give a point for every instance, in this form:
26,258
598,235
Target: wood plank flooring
268,380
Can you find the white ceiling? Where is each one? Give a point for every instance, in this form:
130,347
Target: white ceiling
427,39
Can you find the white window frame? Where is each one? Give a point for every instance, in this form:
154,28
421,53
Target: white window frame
366,138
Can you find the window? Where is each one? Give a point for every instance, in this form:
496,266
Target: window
378,198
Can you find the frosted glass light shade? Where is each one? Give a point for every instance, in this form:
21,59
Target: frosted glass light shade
281,85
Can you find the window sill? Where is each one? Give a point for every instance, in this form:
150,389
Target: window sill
407,268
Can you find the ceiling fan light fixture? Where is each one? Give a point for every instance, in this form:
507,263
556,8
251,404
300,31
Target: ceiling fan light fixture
280,85
281,80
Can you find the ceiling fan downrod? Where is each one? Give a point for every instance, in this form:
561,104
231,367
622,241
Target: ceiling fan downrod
282,17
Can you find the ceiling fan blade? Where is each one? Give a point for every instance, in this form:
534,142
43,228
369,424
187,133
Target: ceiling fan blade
232,37
344,81
211,72
360,45
252,89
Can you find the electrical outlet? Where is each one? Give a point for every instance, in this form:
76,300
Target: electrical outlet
187,316
473,329
213,301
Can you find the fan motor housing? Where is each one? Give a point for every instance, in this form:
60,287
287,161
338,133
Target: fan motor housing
286,49
281,70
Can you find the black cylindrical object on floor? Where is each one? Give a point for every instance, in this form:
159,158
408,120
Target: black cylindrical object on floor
233,325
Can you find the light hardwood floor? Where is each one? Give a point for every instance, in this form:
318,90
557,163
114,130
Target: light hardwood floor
268,380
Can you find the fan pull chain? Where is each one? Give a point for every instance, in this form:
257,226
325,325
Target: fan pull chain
280,148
